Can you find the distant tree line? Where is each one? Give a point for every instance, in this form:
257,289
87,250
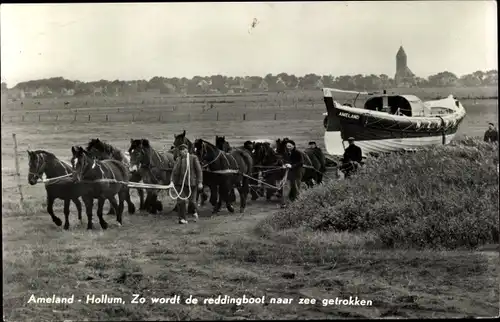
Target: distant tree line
228,84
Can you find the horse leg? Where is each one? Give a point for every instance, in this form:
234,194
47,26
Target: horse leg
213,194
115,205
153,203
66,214
227,189
122,195
141,199
244,190
100,205
78,205
111,211
50,210
270,191
320,178
130,204
203,196
217,198
89,204
147,203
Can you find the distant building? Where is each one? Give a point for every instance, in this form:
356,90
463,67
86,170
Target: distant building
404,76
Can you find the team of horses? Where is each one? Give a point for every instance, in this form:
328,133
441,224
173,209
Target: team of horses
101,171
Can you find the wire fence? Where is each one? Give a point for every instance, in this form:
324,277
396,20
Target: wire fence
164,117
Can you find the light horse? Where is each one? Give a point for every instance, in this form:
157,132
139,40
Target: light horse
59,184
154,167
182,139
104,151
234,169
102,180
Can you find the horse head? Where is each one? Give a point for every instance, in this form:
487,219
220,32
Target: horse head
138,153
36,167
222,144
82,161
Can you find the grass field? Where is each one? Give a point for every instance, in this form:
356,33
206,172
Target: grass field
225,255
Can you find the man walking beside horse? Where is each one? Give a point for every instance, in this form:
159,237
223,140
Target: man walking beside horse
295,163
194,184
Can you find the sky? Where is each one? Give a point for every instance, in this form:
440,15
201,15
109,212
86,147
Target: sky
129,41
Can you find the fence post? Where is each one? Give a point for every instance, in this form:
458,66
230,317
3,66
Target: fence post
159,117
74,118
275,116
217,115
106,117
244,116
18,175
133,117
22,118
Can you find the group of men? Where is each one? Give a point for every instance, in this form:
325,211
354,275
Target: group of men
350,162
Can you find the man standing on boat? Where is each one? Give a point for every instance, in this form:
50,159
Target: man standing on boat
353,157
183,188
491,134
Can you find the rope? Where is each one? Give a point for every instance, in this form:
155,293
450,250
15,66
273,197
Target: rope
187,174
280,185
49,181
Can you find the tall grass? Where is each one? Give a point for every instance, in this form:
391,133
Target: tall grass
443,197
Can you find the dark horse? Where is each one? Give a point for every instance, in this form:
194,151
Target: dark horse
272,173
222,144
154,167
59,186
102,180
182,139
104,151
312,166
238,160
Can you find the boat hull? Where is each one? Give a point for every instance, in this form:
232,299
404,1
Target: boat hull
378,132
334,143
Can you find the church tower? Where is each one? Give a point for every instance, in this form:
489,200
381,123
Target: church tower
401,59
404,76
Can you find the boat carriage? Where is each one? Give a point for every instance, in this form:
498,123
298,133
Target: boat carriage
390,122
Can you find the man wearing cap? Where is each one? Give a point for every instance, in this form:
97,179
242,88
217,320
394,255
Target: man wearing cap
319,154
295,162
353,156
195,182
491,134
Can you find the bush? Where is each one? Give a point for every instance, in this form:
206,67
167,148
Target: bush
443,197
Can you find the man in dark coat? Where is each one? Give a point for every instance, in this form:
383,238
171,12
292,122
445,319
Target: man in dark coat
294,161
319,154
491,135
353,157
195,182
248,145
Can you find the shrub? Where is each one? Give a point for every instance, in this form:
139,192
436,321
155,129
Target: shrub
442,197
